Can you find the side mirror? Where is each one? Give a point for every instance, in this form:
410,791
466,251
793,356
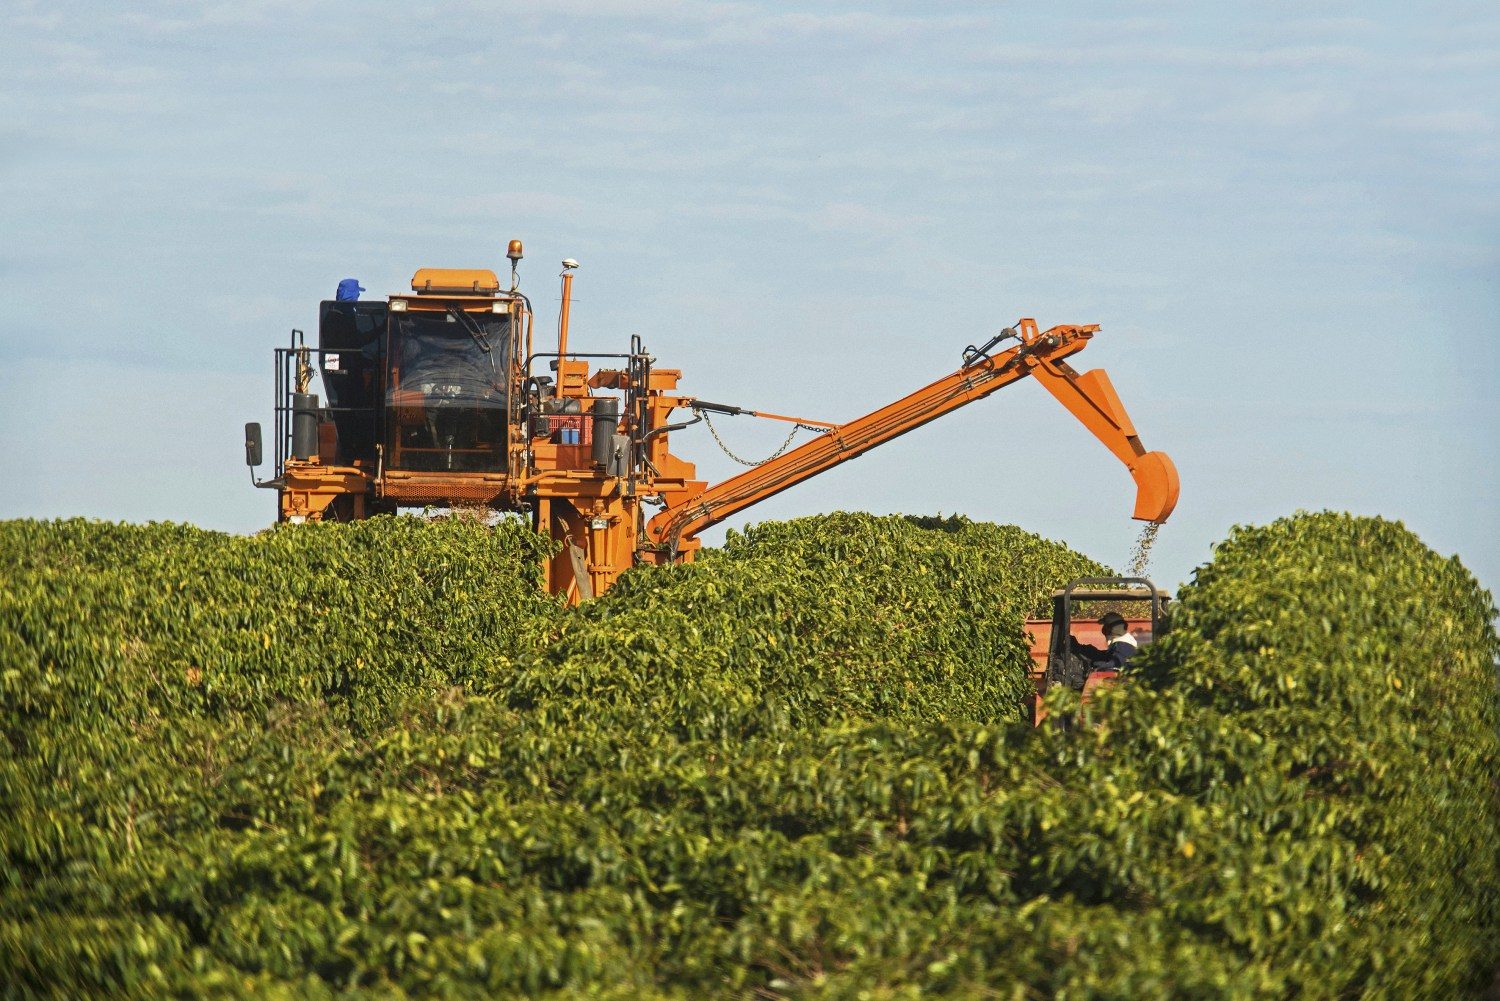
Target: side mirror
252,445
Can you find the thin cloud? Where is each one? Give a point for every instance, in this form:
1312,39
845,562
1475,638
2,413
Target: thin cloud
1453,121
1109,105
1296,109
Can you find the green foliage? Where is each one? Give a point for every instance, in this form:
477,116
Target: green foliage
373,760
162,687
799,624
1344,677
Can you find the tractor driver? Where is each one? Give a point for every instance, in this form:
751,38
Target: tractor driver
1119,645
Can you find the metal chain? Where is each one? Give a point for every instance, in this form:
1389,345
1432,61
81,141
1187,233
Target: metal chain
746,462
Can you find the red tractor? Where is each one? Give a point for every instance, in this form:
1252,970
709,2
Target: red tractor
1076,610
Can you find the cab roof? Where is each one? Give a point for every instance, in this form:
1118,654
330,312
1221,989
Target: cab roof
455,281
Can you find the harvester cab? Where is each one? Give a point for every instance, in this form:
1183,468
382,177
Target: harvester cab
1076,612
423,396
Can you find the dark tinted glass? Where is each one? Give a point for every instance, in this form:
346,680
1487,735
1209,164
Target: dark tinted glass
446,391
352,337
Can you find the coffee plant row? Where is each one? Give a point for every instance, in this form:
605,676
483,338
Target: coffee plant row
377,761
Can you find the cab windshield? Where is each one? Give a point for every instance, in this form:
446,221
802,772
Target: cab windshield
446,391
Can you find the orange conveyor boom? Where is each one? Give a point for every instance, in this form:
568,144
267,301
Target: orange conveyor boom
1090,397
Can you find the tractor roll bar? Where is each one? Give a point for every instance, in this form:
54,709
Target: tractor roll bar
1103,594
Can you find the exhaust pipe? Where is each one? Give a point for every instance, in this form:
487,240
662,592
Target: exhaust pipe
305,426
606,422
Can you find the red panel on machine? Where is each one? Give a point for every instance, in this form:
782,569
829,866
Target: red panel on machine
570,429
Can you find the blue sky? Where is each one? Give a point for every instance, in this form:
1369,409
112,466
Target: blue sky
1284,215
